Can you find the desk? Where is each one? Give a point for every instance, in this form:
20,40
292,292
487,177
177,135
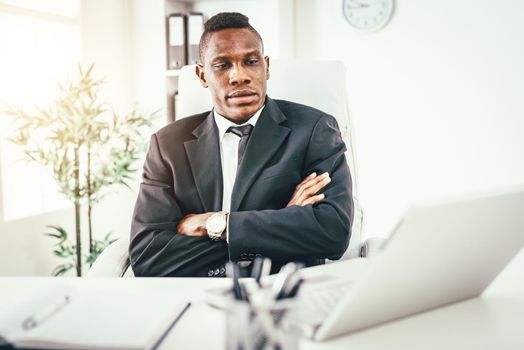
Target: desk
493,321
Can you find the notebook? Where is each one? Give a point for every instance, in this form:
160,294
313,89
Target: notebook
93,318
439,254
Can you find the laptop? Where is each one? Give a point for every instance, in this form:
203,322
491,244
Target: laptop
438,255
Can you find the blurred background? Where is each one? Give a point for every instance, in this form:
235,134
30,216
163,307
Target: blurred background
435,98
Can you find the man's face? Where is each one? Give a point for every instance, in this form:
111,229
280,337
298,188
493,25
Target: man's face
235,72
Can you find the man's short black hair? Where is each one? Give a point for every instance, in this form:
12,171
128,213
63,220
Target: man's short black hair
224,20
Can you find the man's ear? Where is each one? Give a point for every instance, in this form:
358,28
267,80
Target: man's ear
267,66
199,70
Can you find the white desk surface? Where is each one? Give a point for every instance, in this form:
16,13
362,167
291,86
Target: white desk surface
493,321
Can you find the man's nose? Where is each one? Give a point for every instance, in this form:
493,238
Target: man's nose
238,75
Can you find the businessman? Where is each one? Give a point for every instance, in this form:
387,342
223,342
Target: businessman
253,177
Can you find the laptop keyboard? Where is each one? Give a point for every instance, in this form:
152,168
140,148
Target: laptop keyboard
316,303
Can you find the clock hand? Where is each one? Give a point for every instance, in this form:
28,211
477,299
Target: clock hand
363,6
368,4
359,4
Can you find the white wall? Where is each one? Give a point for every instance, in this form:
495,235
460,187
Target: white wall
147,55
435,98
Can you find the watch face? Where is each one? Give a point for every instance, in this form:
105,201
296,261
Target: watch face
216,224
367,15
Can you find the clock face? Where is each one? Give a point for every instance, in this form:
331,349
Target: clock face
367,15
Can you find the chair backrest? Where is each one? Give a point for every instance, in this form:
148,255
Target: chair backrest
113,261
319,84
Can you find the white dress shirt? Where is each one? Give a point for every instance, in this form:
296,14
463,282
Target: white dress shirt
229,155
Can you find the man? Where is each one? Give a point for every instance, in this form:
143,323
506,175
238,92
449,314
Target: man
242,180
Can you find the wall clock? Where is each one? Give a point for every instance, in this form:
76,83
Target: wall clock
367,15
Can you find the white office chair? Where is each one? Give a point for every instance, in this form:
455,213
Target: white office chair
113,261
320,84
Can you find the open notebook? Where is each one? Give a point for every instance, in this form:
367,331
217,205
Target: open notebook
89,319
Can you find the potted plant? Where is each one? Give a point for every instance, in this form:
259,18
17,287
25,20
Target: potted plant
88,147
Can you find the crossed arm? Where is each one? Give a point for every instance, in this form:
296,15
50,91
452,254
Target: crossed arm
306,193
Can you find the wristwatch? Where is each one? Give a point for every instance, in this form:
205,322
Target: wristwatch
216,225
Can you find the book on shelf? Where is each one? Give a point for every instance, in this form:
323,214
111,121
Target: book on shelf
195,28
89,318
176,41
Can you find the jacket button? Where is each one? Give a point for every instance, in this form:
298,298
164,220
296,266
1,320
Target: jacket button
243,256
210,273
222,270
251,256
217,272
258,255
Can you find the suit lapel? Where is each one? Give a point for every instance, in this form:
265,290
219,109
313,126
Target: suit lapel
267,137
204,158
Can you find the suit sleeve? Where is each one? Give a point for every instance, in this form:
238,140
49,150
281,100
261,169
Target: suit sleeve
156,249
321,230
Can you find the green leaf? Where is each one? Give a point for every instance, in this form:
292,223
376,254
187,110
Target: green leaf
60,234
62,268
53,235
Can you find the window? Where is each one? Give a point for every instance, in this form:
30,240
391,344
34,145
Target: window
39,44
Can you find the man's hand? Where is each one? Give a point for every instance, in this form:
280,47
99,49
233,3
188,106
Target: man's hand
193,225
306,191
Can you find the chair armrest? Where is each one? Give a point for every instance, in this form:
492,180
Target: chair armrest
372,246
113,261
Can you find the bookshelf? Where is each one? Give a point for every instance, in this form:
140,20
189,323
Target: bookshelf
171,75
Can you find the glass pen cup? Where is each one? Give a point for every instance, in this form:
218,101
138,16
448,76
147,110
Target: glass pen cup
263,325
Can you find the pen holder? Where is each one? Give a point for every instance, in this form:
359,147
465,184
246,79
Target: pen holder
261,326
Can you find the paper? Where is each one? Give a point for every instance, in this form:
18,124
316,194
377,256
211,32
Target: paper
97,318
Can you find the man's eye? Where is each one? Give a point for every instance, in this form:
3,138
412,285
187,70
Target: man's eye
252,61
220,65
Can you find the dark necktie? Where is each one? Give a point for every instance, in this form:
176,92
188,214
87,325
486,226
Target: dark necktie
242,132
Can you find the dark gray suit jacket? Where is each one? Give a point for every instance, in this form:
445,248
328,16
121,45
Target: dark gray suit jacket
182,175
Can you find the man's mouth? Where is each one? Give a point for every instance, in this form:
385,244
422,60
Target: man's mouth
242,94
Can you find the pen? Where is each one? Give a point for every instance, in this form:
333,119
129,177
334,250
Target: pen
295,288
256,270
42,315
265,269
282,278
292,283
233,271
261,268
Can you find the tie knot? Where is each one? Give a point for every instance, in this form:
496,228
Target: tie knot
240,131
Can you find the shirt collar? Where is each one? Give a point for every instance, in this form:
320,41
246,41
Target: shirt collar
223,124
